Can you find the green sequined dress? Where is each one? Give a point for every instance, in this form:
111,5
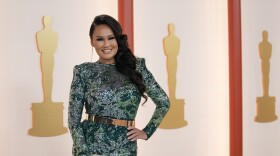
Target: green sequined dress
103,91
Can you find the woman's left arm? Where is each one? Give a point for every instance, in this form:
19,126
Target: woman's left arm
159,97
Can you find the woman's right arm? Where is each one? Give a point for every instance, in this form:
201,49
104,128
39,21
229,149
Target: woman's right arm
75,109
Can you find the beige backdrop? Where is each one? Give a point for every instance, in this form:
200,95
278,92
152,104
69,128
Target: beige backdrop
22,73
260,139
202,75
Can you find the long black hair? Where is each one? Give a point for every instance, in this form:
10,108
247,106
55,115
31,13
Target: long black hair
125,61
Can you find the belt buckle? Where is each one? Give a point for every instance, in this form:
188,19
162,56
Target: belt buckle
109,121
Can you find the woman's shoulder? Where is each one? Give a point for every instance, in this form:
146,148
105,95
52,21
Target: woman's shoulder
140,60
85,68
84,65
140,63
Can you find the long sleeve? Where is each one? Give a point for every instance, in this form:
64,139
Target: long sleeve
159,97
75,109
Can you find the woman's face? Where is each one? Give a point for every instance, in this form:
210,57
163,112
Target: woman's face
105,44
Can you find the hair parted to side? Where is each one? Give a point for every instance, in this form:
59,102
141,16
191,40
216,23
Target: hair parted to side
125,61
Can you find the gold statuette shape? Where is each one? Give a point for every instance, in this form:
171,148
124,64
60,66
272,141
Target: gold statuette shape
47,116
266,103
175,117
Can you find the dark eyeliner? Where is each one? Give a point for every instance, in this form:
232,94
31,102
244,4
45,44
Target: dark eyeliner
111,38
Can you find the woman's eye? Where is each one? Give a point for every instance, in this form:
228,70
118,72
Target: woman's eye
99,39
111,38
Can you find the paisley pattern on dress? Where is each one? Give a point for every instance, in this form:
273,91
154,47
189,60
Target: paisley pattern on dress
103,91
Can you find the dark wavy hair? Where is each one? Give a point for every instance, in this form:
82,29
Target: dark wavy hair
125,61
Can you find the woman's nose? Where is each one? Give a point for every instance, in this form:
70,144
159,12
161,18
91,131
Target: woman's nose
106,43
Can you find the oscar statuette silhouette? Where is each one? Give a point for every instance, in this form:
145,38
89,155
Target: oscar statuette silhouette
266,103
47,116
175,116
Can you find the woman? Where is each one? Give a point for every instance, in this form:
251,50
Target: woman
111,90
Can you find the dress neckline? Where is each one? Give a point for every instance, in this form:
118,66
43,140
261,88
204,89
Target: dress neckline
111,64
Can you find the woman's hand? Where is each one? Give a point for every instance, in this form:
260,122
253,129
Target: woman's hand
135,133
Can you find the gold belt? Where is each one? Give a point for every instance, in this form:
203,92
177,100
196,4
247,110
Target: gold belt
104,120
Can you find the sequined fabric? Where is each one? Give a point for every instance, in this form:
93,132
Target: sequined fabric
103,91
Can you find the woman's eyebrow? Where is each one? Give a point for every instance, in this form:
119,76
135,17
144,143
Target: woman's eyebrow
105,36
